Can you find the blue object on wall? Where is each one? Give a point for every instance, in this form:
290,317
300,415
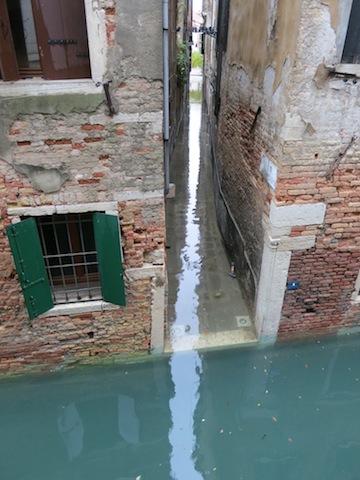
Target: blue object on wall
293,285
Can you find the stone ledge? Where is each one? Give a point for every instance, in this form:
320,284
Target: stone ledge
297,215
73,208
80,307
39,86
347,69
143,273
138,195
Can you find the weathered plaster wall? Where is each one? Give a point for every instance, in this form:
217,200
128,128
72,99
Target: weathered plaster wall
320,163
307,126
75,134
334,7
247,36
62,148
263,34
138,39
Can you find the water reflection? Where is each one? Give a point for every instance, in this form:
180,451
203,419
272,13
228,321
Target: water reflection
108,424
186,368
185,325
286,413
283,413
185,372
71,430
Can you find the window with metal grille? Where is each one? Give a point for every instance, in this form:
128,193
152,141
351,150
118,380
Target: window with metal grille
69,251
69,258
45,38
351,53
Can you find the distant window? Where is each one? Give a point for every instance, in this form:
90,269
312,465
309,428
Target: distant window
46,38
351,53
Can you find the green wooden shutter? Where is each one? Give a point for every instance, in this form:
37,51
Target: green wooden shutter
107,240
30,266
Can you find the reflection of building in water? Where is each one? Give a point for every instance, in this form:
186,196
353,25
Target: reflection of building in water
109,425
186,376
71,429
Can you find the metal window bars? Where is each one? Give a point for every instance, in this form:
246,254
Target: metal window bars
70,257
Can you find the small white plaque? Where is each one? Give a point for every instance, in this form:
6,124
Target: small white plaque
268,171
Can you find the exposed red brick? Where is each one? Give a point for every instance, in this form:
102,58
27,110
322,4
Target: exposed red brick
93,139
78,146
61,141
88,181
89,126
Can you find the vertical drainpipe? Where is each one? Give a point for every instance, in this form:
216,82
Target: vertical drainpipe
166,93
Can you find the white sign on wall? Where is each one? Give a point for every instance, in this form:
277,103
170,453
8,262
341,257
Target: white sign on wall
268,171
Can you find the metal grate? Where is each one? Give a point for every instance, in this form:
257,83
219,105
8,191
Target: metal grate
70,256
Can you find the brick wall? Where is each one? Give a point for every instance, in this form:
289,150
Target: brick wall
49,341
310,170
328,272
317,161
61,149
308,128
239,144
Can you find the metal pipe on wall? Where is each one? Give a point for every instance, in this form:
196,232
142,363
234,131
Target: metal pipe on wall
166,93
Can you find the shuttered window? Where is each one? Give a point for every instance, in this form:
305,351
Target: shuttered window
68,258
45,38
351,53
26,249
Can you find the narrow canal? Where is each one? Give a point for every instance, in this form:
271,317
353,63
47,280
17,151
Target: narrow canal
288,412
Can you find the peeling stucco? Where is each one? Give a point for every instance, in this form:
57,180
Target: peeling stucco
334,12
263,35
247,37
145,17
284,43
44,179
12,108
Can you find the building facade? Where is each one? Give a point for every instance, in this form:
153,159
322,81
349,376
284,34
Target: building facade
282,95
82,147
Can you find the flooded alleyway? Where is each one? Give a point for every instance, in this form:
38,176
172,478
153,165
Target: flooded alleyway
285,412
205,304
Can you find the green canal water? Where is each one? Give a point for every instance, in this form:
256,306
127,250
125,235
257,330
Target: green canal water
283,413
